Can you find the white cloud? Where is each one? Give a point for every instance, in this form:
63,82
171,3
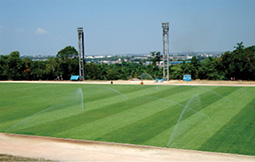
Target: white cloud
41,31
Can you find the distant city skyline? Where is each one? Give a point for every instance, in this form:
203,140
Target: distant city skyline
43,27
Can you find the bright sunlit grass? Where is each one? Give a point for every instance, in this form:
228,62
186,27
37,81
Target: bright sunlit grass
219,119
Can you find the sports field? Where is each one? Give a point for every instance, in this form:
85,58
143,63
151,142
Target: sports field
209,118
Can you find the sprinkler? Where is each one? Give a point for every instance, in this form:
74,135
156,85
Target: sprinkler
141,78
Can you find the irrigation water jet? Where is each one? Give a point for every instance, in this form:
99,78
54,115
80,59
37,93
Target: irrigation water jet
183,111
243,90
80,93
117,92
210,90
144,75
17,124
179,104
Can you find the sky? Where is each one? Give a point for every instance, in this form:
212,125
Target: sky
44,27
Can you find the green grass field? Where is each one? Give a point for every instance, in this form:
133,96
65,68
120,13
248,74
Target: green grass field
209,118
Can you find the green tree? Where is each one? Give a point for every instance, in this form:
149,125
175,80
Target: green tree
67,53
185,67
68,62
27,70
15,66
194,67
92,71
3,67
155,57
211,69
37,70
239,63
176,72
52,70
113,73
239,46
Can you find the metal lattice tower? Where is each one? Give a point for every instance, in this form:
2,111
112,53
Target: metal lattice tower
165,27
81,51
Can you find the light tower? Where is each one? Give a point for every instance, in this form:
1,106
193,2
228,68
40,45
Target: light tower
81,51
165,27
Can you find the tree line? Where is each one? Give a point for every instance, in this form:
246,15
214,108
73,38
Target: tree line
239,64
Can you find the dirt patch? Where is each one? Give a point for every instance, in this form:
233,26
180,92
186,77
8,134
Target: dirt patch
78,150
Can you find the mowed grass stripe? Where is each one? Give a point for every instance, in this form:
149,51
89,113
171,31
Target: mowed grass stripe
13,94
33,102
105,91
59,112
63,102
100,127
237,135
20,92
151,126
50,128
23,87
223,106
111,100
162,138
109,124
221,112
141,131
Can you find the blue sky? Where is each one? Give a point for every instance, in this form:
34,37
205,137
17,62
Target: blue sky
43,27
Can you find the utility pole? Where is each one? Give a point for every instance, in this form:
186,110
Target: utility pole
81,52
165,27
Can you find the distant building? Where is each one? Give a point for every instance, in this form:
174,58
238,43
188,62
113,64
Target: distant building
99,57
147,62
